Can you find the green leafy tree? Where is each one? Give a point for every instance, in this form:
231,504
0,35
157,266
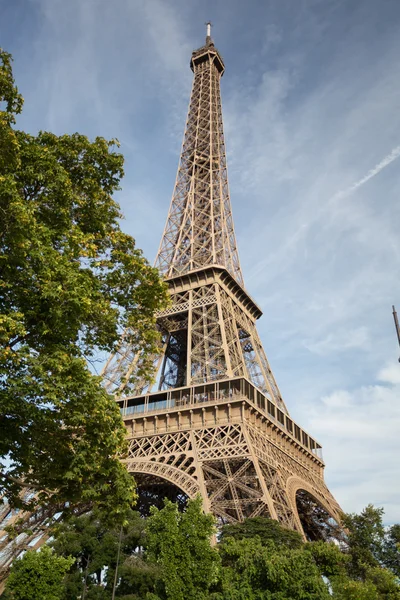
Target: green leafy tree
12,102
373,553
70,282
38,576
255,560
94,546
180,545
365,540
253,570
260,559
392,549
265,529
332,564
137,578
379,584
328,557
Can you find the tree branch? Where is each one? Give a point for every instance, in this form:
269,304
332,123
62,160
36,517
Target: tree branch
18,481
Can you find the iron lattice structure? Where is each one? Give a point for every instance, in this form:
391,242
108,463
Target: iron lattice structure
216,424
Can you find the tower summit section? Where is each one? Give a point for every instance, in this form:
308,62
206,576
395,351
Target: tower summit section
215,422
199,231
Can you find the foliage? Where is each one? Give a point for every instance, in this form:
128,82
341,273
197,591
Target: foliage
373,554
260,559
392,549
265,529
38,576
137,578
13,102
330,560
268,567
170,556
70,282
179,561
253,570
365,540
94,546
179,543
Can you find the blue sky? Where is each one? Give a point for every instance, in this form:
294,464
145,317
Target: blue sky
311,99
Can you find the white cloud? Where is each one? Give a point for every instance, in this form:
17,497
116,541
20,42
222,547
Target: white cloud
340,341
359,432
390,374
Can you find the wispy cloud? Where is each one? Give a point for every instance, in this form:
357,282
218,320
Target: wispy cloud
340,341
395,153
359,428
390,374
326,207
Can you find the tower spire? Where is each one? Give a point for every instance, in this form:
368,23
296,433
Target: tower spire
199,230
208,34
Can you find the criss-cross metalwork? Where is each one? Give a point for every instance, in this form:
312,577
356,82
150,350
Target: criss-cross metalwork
209,332
214,422
199,230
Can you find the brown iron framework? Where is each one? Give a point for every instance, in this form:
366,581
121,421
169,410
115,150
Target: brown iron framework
215,423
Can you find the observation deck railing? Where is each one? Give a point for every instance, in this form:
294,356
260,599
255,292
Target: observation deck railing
218,392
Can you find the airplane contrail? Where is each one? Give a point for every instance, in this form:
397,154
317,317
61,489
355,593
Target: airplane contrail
301,231
395,153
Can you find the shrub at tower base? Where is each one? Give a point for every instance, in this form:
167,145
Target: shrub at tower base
70,281
169,556
38,576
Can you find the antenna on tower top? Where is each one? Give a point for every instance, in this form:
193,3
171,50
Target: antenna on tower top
396,324
208,38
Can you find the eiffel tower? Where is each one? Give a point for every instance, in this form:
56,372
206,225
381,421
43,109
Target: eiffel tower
215,423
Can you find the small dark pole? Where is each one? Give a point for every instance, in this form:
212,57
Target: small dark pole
396,324
116,567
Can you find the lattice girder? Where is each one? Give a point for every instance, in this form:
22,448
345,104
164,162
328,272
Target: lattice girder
209,333
199,230
242,464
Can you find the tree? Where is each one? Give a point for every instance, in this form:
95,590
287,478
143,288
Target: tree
137,579
265,529
392,549
179,562
13,102
373,553
180,544
365,540
94,546
253,570
169,556
70,282
38,576
261,559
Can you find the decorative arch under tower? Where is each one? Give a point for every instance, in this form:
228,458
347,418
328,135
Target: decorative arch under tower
215,423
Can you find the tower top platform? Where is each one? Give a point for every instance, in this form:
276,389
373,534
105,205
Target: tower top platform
207,52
